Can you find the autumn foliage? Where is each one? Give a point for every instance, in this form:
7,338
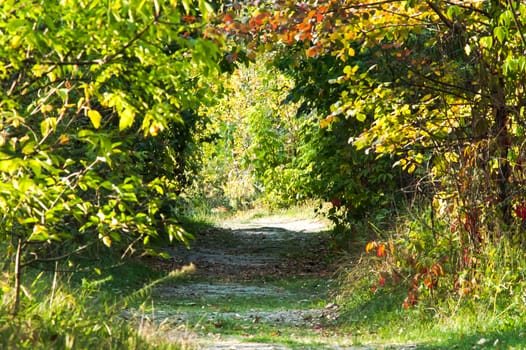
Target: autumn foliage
433,88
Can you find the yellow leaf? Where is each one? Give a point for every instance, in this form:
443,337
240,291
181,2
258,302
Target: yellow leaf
154,129
467,49
95,118
107,241
426,97
350,71
64,139
46,108
126,119
52,76
48,125
370,246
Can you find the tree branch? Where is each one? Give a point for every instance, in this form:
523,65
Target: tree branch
442,17
57,258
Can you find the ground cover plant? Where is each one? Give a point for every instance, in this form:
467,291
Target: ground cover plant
78,308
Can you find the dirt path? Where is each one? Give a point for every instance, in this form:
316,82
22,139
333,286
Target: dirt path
263,247
257,285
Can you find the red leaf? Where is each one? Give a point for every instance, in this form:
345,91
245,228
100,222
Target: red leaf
189,19
336,202
228,18
520,211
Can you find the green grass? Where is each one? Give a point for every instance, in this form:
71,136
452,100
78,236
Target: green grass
285,293
304,210
237,315
85,310
379,319
492,318
82,310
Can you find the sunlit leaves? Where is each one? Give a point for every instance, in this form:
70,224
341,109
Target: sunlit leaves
84,89
48,125
500,33
95,118
127,116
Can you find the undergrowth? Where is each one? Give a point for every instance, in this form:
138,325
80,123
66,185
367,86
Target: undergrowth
82,310
416,283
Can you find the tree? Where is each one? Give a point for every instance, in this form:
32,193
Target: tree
88,91
442,85
254,140
437,87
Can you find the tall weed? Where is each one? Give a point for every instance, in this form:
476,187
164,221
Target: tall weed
70,315
419,276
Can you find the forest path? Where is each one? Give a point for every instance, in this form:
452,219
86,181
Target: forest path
260,284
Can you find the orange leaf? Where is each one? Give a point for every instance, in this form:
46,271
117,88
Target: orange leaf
438,270
428,281
288,37
313,51
370,246
189,19
381,250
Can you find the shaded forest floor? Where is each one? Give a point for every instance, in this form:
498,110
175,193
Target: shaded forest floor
261,284
271,283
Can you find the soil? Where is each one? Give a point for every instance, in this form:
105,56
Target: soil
262,247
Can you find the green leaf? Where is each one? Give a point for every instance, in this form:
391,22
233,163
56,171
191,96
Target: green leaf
40,233
126,119
506,18
205,8
48,125
29,148
164,255
500,33
186,6
361,117
486,42
95,118
453,11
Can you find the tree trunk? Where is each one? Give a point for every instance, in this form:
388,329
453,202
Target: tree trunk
17,277
503,142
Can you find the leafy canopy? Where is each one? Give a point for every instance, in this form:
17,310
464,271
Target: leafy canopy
88,89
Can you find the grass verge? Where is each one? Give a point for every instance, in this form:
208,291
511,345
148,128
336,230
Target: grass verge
81,310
